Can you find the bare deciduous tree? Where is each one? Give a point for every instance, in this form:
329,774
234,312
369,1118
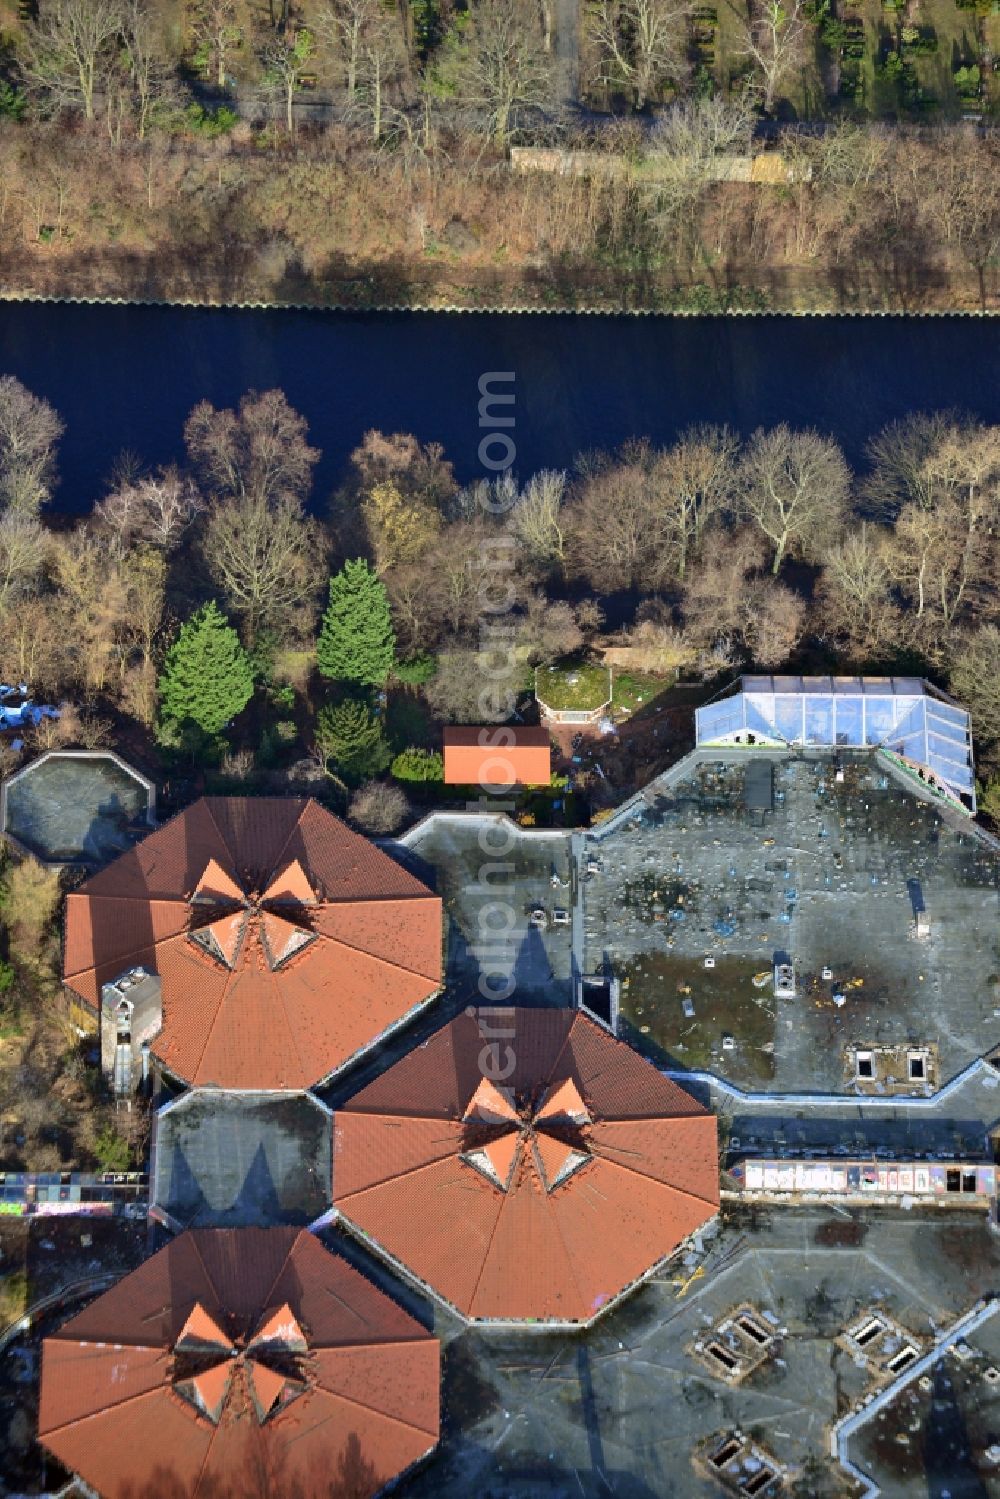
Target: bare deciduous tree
381,66
549,629
898,456
696,480
256,466
850,155
24,544
943,550
285,60
266,557
617,527
157,509
29,433
693,147
961,193
639,44
794,489
419,470
774,36
69,47
496,65
217,35
341,26
94,600
537,520
975,680
458,690
257,452
855,593
144,61
773,621
714,587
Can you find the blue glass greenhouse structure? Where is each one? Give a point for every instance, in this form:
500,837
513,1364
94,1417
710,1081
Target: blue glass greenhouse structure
905,717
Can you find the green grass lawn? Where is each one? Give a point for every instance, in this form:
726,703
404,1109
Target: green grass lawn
634,690
573,686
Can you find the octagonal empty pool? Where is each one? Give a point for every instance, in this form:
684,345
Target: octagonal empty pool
77,807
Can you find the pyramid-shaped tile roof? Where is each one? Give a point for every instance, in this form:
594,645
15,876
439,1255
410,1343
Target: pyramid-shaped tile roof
242,1362
285,943
556,1183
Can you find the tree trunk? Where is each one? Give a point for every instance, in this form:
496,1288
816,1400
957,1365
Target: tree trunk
352,63
87,89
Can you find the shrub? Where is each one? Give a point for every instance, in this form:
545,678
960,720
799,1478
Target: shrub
210,122
988,800
967,81
13,102
238,765
379,807
112,1151
29,899
418,765
416,671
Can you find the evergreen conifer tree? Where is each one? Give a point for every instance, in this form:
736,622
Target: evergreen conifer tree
356,640
206,678
350,735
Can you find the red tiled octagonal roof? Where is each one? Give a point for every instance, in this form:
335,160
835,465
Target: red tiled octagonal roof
238,1364
284,942
541,1192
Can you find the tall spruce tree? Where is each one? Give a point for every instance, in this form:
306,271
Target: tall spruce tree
356,640
206,678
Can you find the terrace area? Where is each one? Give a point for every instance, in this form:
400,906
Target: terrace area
885,905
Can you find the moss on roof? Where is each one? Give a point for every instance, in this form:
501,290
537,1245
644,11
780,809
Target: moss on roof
573,686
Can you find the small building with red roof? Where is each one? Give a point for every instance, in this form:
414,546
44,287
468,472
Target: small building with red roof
240,1364
497,756
562,1167
253,943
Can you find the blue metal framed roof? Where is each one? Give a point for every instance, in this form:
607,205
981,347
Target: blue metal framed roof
902,715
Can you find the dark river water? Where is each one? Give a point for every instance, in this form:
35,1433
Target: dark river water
125,378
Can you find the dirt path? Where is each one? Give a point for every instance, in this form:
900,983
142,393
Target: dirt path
566,49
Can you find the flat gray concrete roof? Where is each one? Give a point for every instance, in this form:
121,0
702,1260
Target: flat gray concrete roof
477,865
223,1160
833,878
